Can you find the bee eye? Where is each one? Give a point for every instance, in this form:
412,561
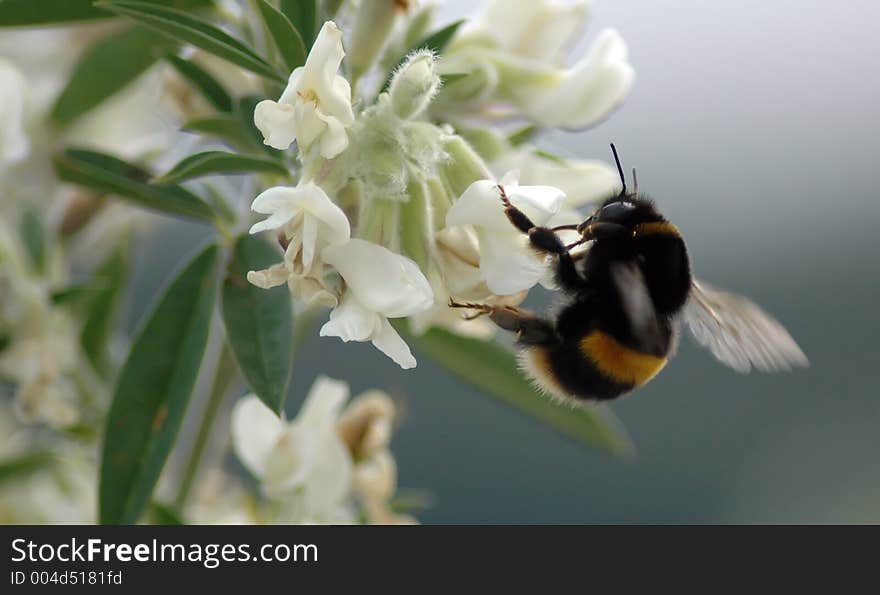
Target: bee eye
615,210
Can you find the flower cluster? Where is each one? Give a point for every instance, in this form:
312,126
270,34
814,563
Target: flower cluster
387,155
398,204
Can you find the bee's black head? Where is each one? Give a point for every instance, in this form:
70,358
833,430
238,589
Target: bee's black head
627,210
623,212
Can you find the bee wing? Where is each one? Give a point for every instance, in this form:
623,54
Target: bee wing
738,332
637,304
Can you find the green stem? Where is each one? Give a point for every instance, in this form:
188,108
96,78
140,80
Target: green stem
226,372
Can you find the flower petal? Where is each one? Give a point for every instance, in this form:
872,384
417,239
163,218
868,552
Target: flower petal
277,122
279,203
481,205
330,479
590,90
581,181
291,460
381,280
350,321
309,239
274,276
508,264
324,59
323,403
391,344
255,430
334,140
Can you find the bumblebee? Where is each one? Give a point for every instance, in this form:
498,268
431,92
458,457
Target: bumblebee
624,300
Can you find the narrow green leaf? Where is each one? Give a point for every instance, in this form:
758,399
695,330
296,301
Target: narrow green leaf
153,391
206,84
72,295
186,28
23,13
227,127
220,162
17,467
102,307
287,39
493,369
436,42
549,156
452,78
259,323
302,14
523,135
33,236
105,173
106,68
164,514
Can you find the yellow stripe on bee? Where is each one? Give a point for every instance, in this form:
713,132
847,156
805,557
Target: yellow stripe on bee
655,228
618,362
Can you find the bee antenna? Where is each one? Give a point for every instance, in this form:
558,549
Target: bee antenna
635,182
619,169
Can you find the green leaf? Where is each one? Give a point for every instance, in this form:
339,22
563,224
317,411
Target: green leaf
23,13
102,306
188,29
287,39
164,514
153,391
436,42
72,295
220,162
259,323
106,67
302,14
452,78
226,127
206,84
523,135
493,369
16,467
105,173
33,236
549,156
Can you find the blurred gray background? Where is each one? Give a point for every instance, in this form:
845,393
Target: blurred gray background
755,126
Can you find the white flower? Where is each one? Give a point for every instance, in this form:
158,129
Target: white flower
303,464
514,56
380,285
507,262
584,94
316,105
582,181
310,221
14,145
536,29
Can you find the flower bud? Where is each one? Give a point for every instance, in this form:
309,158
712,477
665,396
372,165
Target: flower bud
465,166
372,25
416,222
414,84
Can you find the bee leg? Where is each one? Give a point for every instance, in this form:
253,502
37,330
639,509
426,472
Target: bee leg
530,328
545,241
